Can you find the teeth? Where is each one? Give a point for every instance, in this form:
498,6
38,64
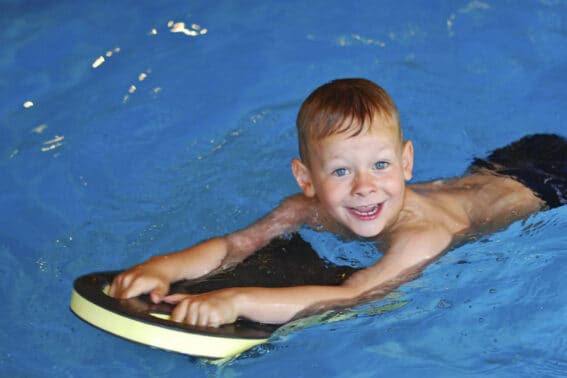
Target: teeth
366,210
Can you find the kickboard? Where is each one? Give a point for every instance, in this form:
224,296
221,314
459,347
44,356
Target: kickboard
284,262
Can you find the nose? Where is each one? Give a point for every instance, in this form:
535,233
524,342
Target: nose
363,184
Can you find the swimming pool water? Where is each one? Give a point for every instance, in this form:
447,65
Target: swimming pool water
176,137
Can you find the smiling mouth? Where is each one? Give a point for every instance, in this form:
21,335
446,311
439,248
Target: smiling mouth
366,212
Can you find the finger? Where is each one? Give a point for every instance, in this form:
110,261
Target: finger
214,320
175,298
193,313
112,289
179,312
158,294
129,286
203,316
117,286
132,287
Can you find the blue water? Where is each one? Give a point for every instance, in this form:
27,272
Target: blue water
176,137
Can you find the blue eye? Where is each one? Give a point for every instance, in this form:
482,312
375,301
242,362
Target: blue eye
340,172
381,165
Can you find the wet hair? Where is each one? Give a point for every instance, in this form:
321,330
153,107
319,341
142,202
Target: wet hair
343,106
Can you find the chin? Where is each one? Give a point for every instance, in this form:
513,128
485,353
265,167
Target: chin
369,235
365,233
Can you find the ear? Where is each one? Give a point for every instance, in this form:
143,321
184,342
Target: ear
303,177
407,160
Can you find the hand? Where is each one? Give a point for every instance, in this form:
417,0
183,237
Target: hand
141,279
211,309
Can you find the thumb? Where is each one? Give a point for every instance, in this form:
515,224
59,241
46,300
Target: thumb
176,298
157,294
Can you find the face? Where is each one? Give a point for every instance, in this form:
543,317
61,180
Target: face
360,180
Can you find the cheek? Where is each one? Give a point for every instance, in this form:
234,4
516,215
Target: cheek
330,193
395,186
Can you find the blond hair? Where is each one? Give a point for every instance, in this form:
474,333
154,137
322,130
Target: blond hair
343,106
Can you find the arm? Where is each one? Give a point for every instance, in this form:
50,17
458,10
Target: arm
402,262
155,275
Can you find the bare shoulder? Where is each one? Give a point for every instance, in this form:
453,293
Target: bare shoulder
430,215
288,217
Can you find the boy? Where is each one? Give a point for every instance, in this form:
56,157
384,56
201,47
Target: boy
353,168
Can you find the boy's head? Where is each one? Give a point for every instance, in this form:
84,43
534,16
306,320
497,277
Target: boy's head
343,106
354,159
